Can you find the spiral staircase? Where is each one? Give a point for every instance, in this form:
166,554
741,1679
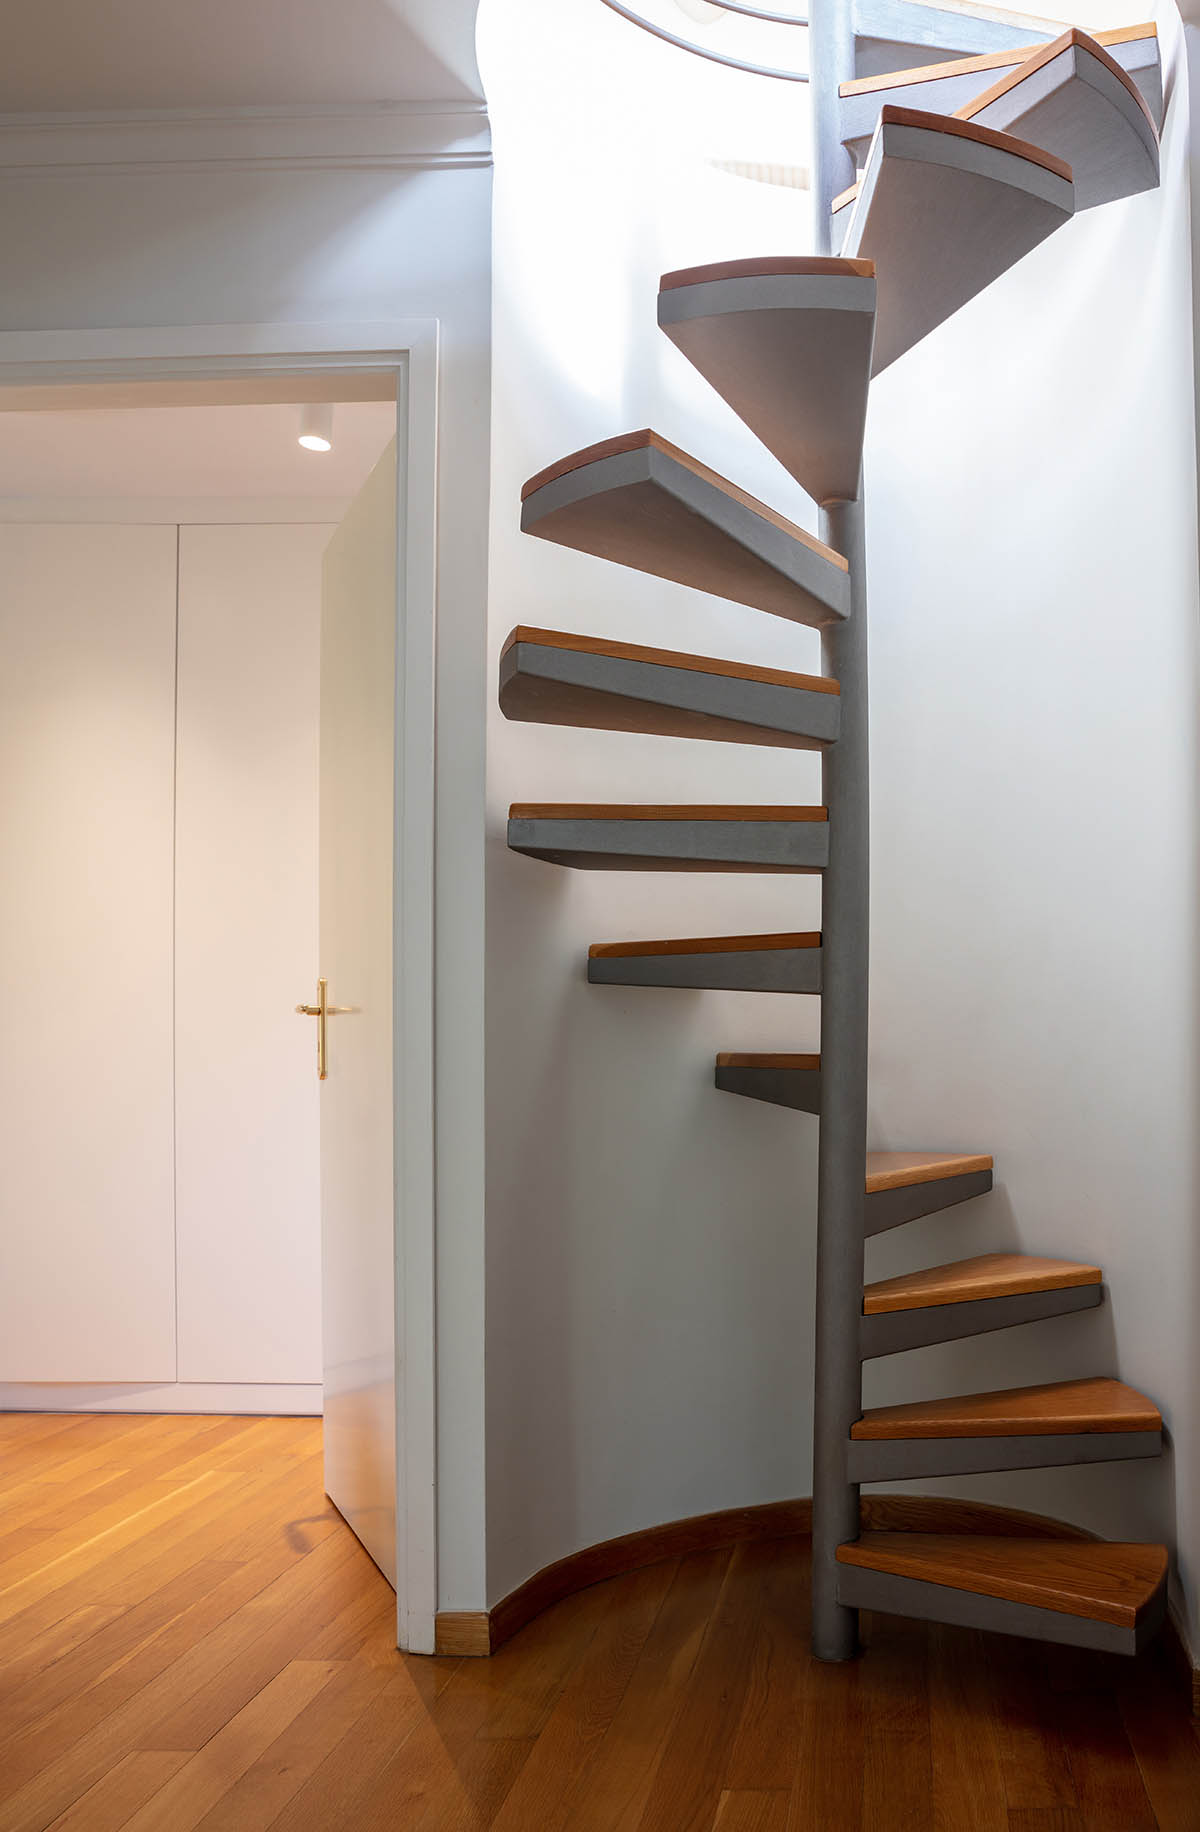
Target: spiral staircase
958,166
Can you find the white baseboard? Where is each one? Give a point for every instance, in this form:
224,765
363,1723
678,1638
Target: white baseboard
292,1401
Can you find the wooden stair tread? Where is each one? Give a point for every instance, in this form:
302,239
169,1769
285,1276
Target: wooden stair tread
944,214
1061,1406
1073,37
989,60
1106,1582
639,501
740,1059
709,944
641,811
786,342
760,266
647,439
893,1170
667,658
987,1275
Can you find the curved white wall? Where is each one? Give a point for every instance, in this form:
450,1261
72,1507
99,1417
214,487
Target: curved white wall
1031,478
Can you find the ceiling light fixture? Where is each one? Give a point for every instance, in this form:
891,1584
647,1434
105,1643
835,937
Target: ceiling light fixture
316,427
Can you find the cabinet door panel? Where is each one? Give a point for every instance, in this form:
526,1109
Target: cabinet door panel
87,731
248,1189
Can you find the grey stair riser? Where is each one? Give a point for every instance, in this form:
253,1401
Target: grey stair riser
898,1459
757,970
903,1596
565,510
791,354
886,1209
892,1332
943,95
627,693
616,845
1076,108
799,1089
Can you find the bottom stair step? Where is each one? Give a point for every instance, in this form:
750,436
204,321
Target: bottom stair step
1085,1592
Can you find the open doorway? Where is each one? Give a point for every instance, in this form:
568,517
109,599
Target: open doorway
197,726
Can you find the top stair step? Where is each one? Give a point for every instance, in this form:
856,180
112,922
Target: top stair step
944,88
643,503
786,341
943,208
1075,100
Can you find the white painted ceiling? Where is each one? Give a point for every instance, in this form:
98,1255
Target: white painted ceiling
67,56
215,452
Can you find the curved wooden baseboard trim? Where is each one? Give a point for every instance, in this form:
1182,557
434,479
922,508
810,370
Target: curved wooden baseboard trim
478,1632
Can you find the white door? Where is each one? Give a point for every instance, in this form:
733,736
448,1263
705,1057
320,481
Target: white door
247,1117
87,743
357,805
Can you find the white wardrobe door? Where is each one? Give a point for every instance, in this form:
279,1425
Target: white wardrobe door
87,716
247,1141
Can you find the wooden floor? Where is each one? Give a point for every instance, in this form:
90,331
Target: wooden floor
191,1638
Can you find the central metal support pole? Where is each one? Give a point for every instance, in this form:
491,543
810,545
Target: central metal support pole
842,1163
845,919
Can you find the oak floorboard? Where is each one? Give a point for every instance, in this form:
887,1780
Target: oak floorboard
967,1774
1033,1754
110,1804
612,1796
689,1781
1169,1766
567,1746
898,1773
230,1666
766,1744
752,1810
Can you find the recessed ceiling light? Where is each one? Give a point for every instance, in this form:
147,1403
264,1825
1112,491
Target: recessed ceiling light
316,427
701,12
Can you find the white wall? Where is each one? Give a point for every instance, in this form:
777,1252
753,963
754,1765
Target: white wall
649,1240
1030,476
304,239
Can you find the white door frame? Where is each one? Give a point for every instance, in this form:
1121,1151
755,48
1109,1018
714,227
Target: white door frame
407,348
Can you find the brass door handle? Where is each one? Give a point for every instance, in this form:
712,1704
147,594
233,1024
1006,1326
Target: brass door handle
319,1011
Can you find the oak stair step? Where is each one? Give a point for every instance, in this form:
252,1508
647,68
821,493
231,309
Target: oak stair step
786,341
943,208
784,1080
1077,102
1087,1593
719,963
644,503
902,1186
1064,1422
887,36
551,677
601,837
969,1297
944,88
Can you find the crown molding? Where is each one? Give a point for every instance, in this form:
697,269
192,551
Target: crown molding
379,137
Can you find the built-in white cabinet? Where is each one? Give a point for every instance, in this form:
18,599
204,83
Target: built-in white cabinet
160,1199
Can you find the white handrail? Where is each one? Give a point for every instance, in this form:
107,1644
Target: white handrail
714,57
756,12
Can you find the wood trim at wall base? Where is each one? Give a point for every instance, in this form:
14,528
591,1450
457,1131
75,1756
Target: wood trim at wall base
1179,1654
480,1632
